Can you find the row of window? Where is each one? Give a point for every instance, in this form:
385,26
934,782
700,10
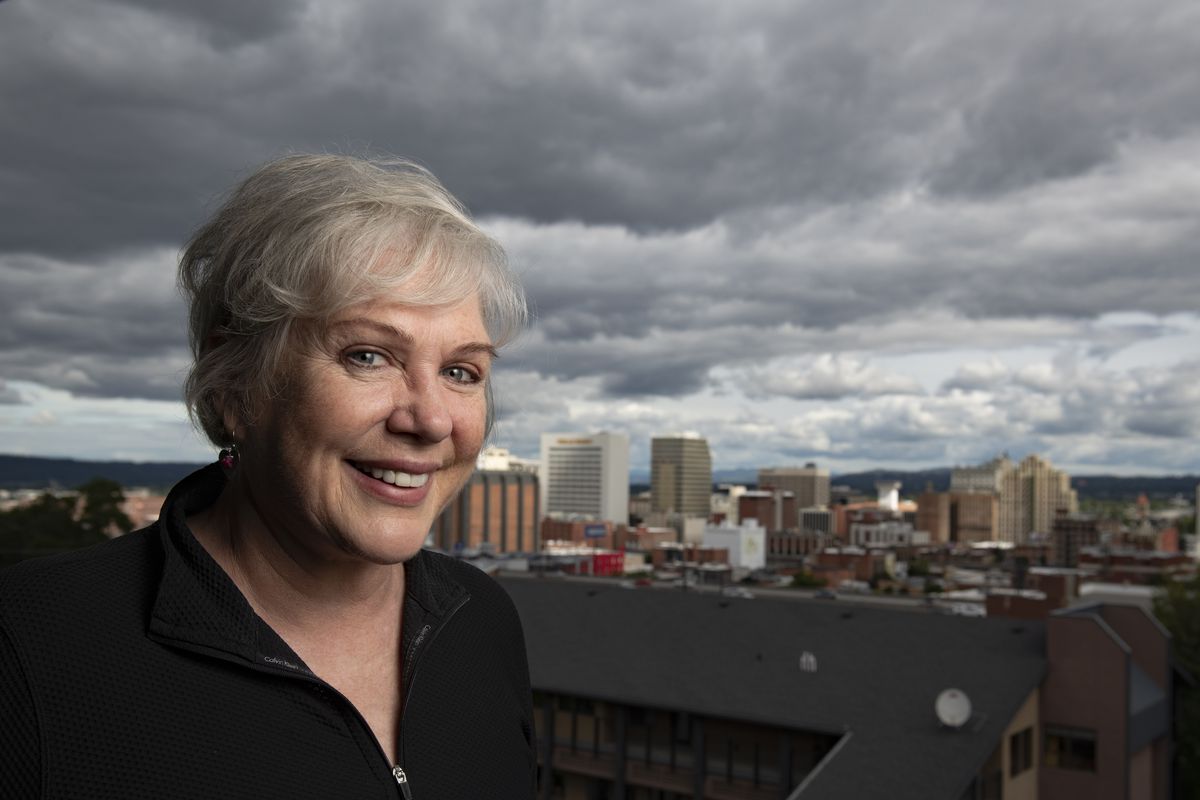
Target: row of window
1062,747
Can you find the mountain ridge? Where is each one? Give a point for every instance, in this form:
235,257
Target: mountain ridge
33,472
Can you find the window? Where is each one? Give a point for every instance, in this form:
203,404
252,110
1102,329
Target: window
1020,752
1070,748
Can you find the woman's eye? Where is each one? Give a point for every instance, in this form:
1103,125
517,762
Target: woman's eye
460,375
365,358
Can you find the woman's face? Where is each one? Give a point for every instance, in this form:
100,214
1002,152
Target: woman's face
377,428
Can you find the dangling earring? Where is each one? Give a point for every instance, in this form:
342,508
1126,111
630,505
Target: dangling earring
229,456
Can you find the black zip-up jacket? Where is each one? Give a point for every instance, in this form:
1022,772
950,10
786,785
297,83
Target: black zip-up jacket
136,669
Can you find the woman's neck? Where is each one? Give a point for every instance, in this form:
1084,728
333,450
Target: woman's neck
286,581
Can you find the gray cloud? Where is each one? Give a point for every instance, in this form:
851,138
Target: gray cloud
754,203
9,395
825,377
115,329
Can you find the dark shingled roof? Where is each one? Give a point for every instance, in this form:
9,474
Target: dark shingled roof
878,673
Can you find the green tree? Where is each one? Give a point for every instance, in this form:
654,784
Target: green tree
43,527
102,499
1177,606
52,524
918,567
806,580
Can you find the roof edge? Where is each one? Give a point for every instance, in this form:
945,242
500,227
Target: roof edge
1091,612
816,771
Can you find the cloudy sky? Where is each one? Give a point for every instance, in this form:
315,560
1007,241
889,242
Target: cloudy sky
859,233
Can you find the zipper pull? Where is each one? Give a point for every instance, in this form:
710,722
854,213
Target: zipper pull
402,779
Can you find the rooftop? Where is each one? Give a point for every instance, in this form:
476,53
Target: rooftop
877,673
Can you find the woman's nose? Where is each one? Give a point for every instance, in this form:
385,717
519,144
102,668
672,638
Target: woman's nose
421,410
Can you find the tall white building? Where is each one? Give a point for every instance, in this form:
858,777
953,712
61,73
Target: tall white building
585,474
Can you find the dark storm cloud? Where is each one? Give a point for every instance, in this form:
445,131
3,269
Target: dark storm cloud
227,23
130,116
1072,89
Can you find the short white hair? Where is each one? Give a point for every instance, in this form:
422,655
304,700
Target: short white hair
306,236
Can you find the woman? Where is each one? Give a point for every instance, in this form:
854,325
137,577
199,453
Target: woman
280,632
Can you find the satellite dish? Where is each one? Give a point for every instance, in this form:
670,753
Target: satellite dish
953,708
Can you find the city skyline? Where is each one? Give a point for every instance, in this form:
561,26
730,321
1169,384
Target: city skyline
901,237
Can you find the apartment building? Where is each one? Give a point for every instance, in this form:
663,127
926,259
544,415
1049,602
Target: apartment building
656,694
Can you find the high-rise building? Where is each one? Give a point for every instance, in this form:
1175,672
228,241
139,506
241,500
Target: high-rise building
983,478
586,475
958,517
1029,495
809,483
497,509
680,474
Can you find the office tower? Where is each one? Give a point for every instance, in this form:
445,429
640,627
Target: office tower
1029,494
809,483
586,475
680,474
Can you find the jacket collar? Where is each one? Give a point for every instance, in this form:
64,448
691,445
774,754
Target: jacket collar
199,608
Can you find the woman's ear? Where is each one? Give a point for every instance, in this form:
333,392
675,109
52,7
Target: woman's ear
231,417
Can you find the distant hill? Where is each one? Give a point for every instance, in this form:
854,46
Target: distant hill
25,472
1113,487
1095,487
911,483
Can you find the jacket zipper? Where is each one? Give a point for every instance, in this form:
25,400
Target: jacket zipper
402,779
398,770
398,773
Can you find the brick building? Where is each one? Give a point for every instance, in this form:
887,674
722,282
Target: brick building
958,517
592,532
497,507
775,509
1072,533
778,698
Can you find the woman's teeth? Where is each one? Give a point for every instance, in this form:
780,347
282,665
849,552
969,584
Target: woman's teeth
406,480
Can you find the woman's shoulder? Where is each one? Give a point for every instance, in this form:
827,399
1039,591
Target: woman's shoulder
74,585
484,590
445,567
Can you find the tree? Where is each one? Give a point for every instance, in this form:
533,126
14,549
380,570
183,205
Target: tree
102,499
806,580
1177,606
55,524
43,527
918,567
